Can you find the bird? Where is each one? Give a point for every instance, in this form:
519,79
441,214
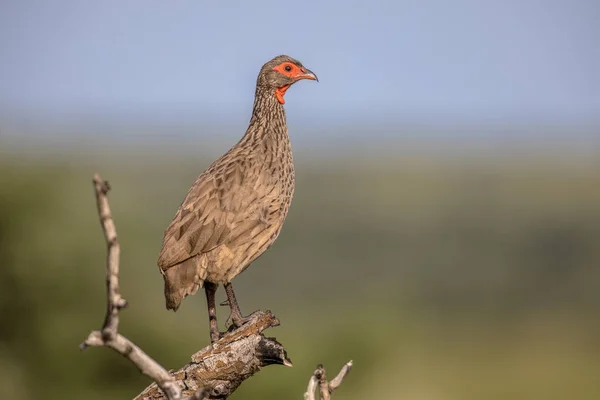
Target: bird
235,209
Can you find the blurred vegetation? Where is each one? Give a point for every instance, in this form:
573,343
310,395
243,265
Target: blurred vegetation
442,277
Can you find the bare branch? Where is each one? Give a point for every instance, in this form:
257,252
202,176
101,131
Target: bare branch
109,336
114,301
310,390
337,381
224,365
323,386
319,377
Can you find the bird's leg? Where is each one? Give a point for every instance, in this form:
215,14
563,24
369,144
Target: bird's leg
210,289
236,315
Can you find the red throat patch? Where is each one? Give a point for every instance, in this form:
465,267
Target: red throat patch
280,92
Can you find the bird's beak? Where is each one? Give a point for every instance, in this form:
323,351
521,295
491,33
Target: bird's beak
308,74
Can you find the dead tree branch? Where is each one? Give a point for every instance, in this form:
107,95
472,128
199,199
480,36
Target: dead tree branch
109,336
319,378
223,366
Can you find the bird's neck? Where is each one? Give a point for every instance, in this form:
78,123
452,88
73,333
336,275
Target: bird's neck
268,118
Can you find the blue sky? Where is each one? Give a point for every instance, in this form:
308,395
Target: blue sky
432,60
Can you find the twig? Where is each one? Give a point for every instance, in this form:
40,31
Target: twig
310,390
323,385
337,381
109,334
325,389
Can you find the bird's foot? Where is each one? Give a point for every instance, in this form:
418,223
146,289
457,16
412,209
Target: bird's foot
237,321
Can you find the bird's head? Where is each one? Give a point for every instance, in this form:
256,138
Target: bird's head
282,72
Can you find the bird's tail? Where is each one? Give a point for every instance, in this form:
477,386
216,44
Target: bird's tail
181,280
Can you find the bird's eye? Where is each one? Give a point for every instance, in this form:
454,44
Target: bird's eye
288,68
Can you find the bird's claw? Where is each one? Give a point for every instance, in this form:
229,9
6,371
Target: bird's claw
234,323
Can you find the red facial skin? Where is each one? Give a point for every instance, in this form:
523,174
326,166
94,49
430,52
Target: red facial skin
293,71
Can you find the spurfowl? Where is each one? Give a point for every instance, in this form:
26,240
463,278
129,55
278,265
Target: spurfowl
235,209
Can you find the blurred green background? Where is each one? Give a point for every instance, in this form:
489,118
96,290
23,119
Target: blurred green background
444,275
444,234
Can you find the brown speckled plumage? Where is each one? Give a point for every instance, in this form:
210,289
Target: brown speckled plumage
235,209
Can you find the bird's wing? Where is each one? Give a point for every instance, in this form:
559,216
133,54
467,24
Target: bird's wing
224,205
